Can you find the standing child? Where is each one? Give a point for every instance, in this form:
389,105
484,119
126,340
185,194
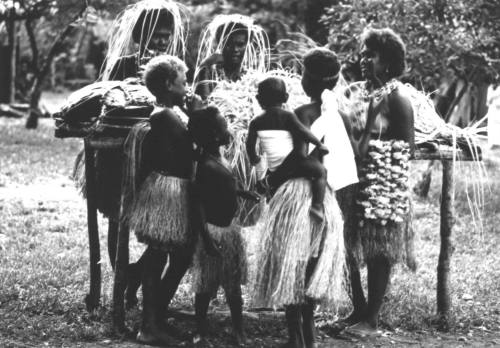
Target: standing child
281,137
160,213
216,200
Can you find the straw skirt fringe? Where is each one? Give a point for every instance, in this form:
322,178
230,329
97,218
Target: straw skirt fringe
228,271
394,241
290,239
160,213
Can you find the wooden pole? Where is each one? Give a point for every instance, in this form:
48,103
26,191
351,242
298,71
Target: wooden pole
93,297
120,283
447,222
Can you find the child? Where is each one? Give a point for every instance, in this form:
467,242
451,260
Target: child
283,140
216,192
160,213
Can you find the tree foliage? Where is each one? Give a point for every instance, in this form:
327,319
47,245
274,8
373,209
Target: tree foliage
439,34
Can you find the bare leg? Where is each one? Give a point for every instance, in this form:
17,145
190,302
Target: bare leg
150,331
235,302
179,262
293,320
318,187
308,325
134,281
357,295
310,167
379,270
201,303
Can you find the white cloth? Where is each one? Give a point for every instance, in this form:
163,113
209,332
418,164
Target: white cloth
339,162
276,145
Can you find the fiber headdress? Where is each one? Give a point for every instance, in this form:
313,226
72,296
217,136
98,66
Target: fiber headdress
136,24
216,34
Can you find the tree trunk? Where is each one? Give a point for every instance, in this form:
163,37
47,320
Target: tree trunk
315,9
34,110
12,33
5,73
36,89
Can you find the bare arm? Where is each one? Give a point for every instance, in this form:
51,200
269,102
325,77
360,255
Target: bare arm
401,116
200,221
302,131
361,147
251,143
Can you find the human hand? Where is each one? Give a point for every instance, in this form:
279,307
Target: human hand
193,102
323,150
215,59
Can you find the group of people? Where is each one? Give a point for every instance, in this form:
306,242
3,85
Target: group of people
185,204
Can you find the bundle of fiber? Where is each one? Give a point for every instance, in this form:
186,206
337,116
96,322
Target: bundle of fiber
430,128
84,105
290,240
237,102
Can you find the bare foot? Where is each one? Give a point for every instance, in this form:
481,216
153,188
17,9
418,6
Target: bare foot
362,330
317,214
155,338
239,338
353,318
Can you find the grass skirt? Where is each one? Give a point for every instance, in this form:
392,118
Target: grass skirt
228,271
160,213
290,239
394,241
346,198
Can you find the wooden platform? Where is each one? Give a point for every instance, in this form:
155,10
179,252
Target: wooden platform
445,154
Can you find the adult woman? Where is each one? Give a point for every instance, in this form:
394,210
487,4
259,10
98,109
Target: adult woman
300,263
151,27
230,46
381,110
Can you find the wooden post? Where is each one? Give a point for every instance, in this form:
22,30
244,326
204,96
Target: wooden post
93,297
121,266
447,222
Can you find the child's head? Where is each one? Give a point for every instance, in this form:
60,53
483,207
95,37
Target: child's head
166,76
321,71
208,128
272,92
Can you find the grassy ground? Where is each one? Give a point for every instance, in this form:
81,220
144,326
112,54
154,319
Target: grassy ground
44,261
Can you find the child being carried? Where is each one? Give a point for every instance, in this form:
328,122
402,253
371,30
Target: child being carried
283,139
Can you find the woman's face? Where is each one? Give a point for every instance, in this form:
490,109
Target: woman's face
160,38
372,66
234,49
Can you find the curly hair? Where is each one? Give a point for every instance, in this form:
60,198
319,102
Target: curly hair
271,91
160,70
389,46
321,67
204,126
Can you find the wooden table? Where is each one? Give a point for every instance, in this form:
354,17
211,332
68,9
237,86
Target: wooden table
444,154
